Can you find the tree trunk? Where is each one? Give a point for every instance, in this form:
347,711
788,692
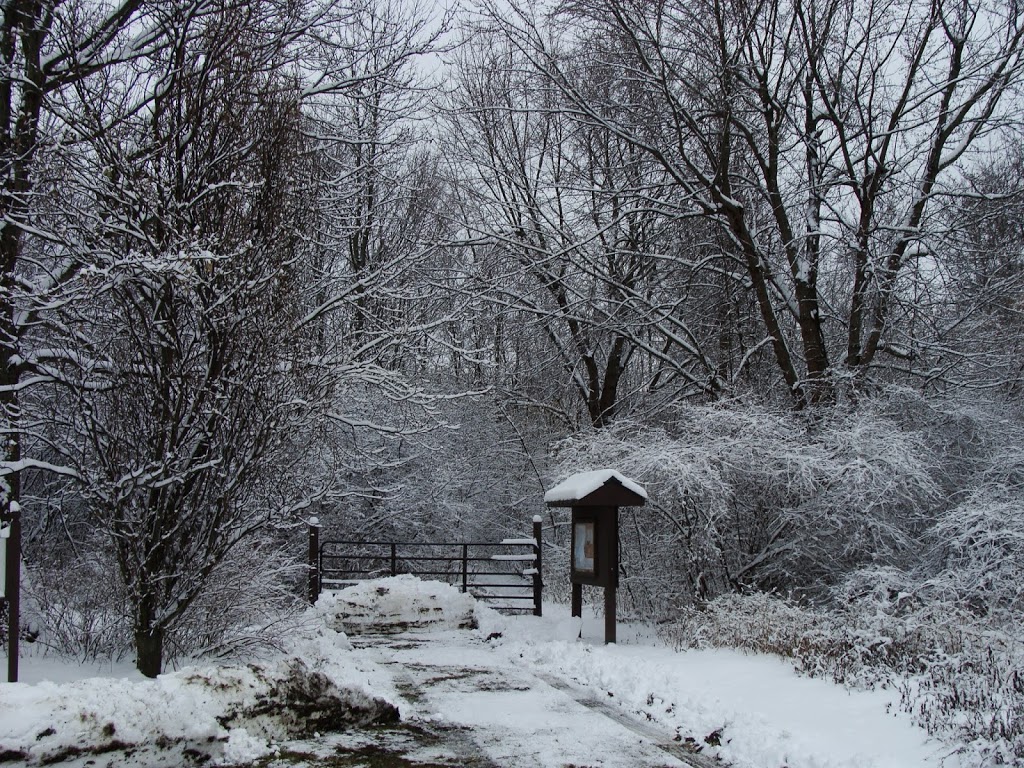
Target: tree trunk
756,269
609,401
149,641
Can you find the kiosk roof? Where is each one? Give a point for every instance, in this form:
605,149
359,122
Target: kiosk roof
577,487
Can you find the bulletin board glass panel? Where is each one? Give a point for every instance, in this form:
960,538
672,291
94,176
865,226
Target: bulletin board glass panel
584,546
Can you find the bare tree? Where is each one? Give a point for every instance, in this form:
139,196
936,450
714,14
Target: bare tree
373,303
573,240
48,50
816,135
180,369
971,306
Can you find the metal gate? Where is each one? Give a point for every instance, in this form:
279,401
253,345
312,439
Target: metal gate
507,574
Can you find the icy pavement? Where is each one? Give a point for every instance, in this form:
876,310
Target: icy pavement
547,692
512,716
452,677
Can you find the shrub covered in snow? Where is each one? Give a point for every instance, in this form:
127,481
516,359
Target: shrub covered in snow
756,498
956,674
78,608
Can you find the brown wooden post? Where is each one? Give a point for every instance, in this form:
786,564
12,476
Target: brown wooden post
577,600
314,559
609,614
394,560
612,584
12,591
538,564
465,568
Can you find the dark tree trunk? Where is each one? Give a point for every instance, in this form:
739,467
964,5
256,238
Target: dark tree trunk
149,641
609,401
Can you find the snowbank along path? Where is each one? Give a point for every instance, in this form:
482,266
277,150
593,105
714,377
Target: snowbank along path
399,673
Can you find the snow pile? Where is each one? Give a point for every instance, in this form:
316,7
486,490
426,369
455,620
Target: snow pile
398,604
582,484
227,714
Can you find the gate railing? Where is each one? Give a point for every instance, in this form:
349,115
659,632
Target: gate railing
487,570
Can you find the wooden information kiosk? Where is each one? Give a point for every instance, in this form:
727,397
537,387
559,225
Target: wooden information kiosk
595,498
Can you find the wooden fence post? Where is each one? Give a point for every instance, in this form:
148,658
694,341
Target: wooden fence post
465,568
538,580
314,559
394,559
12,590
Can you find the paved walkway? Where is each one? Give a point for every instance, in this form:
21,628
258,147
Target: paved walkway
479,710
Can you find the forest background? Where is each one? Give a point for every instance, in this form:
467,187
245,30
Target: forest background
402,267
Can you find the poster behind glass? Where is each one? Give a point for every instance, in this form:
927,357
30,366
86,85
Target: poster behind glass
583,553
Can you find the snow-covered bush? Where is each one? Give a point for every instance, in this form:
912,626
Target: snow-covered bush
955,674
980,543
756,498
253,600
956,671
754,622
79,609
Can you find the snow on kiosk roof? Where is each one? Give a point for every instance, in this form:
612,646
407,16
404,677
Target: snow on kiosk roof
597,488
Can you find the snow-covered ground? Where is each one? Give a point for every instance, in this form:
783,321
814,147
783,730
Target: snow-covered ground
227,714
755,709
506,688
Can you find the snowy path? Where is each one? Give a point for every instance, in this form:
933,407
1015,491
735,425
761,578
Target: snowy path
472,689
515,718
538,696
